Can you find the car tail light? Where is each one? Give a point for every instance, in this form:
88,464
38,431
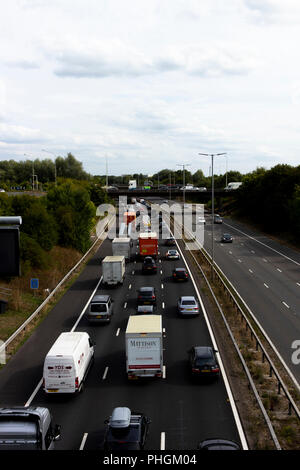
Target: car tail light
215,369
195,370
153,296
76,383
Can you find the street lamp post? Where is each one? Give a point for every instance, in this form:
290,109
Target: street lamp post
55,173
183,169
212,155
34,176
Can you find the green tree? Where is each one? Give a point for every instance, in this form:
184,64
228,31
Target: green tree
74,212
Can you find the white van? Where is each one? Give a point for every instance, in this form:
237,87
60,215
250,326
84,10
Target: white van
67,363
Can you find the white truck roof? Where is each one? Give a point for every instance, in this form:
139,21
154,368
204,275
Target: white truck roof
66,343
148,235
112,259
144,324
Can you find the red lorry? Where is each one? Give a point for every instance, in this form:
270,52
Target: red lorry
148,244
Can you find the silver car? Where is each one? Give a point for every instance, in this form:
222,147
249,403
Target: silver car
188,305
172,254
100,309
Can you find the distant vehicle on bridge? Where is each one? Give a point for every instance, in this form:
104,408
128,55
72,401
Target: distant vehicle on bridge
233,185
132,184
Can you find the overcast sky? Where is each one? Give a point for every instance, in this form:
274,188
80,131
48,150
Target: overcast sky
148,84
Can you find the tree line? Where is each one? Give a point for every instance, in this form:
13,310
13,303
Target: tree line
167,177
46,171
271,198
63,217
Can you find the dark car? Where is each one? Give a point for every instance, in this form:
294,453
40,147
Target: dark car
126,430
218,444
146,296
149,265
180,274
226,238
170,241
203,362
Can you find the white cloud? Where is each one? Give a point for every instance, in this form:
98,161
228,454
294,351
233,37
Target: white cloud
97,59
150,83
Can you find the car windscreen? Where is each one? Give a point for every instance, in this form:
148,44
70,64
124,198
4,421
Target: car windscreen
98,307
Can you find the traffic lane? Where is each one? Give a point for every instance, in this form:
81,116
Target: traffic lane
289,270
264,242
26,366
73,413
109,359
278,321
275,280
158,399
271,278
203,407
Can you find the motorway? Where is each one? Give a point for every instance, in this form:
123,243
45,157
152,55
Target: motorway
266,275
182,412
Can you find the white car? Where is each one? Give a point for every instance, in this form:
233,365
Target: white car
172,254
201,220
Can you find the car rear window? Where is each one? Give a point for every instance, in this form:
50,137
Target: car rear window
188,302
147,293
203,361
98,307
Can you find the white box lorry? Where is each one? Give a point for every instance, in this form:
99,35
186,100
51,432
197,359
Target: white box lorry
113,270
67,363
144,346
122,247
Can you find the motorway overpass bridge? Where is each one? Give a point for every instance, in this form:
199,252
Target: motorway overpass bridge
201,197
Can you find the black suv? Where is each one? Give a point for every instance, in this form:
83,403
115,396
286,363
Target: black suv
180,274
146,296
203,362
126,430
149,265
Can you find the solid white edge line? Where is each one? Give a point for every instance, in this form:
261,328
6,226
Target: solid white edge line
83,441
162,441
223,372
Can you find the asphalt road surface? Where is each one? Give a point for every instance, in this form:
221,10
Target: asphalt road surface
187,412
